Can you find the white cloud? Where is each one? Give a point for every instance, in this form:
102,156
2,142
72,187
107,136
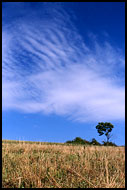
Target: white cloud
50,69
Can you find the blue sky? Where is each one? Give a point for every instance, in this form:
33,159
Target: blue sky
63,70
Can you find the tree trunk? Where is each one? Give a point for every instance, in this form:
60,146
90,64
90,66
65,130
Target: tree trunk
108,137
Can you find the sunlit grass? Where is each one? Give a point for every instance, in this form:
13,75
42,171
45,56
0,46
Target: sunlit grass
49,165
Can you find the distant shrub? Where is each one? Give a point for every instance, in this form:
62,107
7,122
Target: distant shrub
109,144
86,142
79,140
68,141
95,142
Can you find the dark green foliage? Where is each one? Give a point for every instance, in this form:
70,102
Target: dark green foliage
109,144
68,141
78,140
94,142
81,141
104,128
86,142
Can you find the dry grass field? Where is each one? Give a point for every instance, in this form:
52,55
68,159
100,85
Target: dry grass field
43,165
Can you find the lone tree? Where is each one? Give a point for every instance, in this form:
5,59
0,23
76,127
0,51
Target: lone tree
105,128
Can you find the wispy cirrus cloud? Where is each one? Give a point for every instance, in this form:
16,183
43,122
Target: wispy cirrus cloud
47,67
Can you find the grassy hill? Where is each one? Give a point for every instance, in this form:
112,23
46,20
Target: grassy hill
27,164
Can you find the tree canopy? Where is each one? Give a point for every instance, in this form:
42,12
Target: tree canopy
104,128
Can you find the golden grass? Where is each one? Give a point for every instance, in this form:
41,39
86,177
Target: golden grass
26,165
